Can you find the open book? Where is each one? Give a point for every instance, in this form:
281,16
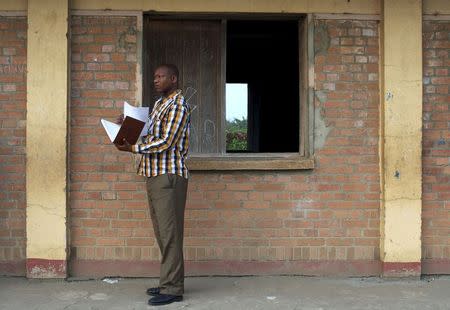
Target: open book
135,125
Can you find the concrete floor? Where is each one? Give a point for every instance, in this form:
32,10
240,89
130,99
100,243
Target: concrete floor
283,292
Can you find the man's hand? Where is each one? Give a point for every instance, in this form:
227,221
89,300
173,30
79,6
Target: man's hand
120,119
125,146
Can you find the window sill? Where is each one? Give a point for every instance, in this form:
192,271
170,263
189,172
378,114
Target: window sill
261,161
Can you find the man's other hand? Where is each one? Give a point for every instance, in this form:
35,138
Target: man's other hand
120,119
125,146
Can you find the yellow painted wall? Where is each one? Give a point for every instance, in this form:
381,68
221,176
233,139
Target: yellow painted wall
293,6
13,5
46,148
436,6
273,6
402,115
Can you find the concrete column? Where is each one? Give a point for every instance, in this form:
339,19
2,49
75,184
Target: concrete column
401,135
46,140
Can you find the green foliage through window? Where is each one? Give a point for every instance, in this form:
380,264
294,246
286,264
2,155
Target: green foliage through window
236,133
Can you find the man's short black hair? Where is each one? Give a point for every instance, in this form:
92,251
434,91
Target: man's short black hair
173,70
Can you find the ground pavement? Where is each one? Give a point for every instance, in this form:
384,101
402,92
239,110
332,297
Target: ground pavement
268,292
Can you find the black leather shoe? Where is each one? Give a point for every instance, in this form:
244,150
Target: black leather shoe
153,291
164,299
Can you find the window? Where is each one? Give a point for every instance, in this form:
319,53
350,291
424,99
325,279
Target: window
245,84
236,118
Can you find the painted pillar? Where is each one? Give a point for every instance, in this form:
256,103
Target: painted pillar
46,179
401,135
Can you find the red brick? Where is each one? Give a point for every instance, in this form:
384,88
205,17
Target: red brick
95,223
228,205
255,205
109,241
139,241
82,76
117,57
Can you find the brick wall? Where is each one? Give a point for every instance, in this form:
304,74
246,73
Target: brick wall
328,214
322,221
108,205
436,143
13,31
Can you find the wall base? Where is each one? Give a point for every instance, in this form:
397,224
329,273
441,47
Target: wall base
401,270
12,268
101,268
436,266
41,268
46,268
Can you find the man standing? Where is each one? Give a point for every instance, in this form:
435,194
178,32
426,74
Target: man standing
164,152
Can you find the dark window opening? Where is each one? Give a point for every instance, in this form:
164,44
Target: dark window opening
264,55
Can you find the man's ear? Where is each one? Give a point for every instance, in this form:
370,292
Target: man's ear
174,79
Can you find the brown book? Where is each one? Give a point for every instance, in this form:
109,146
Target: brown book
130,130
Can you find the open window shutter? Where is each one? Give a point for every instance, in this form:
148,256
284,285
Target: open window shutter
195,48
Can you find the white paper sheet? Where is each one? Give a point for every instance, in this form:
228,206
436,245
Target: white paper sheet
110,128
139,113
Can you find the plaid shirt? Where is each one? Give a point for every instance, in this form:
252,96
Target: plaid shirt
164,149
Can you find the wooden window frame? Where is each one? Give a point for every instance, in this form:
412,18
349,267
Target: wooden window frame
304,158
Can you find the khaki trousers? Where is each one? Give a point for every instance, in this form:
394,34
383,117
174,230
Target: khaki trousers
167,200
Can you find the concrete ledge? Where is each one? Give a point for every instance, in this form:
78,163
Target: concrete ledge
249,162
401,270
126,268
46,268
12,268
436,266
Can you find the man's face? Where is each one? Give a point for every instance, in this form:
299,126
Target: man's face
163,80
